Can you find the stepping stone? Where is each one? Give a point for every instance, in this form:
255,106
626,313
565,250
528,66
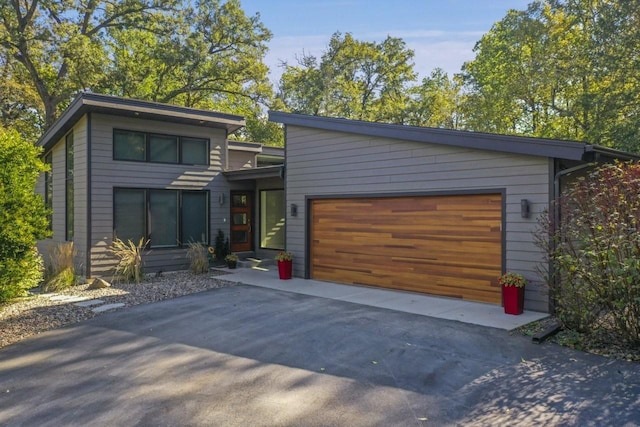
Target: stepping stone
89,303
68,298
107,307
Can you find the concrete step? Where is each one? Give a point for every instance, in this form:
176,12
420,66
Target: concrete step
251,262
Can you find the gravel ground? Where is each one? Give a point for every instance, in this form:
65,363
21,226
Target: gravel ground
38,313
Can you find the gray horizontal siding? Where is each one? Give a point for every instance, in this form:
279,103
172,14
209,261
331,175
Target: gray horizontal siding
58,171
331,163
108,173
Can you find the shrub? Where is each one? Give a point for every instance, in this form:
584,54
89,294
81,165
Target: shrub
19,275
23,216
198,255
130,266
594,253
60,272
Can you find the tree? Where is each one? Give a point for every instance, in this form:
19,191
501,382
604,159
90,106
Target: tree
352,79
436,102
204,54
23,216
561,69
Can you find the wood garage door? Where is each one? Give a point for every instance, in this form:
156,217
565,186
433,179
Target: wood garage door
442,245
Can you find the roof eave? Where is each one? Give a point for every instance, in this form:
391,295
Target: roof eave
89,102
569,150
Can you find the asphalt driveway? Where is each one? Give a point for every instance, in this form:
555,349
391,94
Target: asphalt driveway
248,356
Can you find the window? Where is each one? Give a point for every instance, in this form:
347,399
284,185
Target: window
129,145
272,219
146,147
130,214
168,218
194,151
48,189
163,215
163,149
195,221
69,187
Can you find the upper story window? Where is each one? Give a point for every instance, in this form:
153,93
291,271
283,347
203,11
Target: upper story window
157,148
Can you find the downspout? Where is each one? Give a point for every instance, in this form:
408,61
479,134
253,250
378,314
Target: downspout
88,262
556,218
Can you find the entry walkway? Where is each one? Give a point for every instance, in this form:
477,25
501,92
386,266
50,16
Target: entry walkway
443,308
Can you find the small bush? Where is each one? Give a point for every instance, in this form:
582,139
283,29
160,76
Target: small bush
594,253
130,266
19,275
198,255
60,272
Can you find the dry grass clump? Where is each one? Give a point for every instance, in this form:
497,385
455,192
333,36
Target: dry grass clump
60,273
198,256
130,267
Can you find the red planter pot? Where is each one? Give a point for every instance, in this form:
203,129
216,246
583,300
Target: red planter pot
285,268
513,299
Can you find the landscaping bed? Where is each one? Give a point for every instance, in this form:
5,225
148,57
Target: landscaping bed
603,346
38,313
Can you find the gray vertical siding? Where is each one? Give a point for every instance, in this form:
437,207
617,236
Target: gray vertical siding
331,163
108,173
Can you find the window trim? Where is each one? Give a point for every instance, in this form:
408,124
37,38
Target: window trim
147,142
147,223
69,178
48,189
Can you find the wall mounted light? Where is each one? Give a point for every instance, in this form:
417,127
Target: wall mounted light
221,199
294,209
524,208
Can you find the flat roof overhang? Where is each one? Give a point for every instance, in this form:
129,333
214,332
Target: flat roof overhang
251,174
113,105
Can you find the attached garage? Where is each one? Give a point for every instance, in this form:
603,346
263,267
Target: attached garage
449,245
436,211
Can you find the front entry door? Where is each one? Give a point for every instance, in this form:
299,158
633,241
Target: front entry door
241,220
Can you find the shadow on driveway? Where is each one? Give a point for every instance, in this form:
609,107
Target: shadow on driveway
251,356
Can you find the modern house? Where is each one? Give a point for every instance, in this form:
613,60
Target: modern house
136,169
435,211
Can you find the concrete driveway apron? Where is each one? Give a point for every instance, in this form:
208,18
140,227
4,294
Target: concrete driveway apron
246,355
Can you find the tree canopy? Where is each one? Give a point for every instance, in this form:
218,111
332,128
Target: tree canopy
205,54
566,69
560,69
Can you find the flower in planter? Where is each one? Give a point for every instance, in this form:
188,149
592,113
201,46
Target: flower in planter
231,258
512,279
284,256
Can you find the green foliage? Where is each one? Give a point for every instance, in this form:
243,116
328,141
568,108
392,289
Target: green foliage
352,79
17,275
23,216
130,266
198,257
594,249
512,279
560,69
60,272
205,54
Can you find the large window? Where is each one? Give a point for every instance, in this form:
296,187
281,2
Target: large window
48,188
69,202
168,218
150,147
272,218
